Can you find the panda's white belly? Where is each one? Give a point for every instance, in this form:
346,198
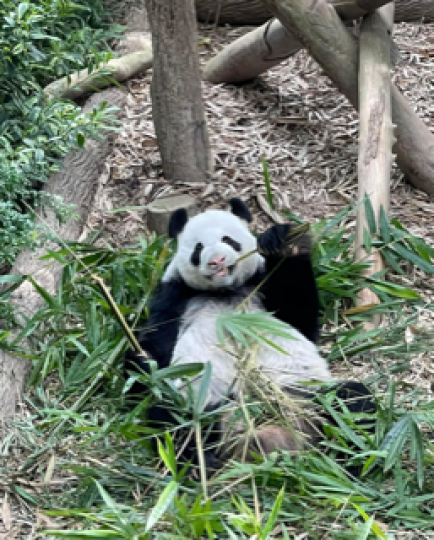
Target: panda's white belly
198,342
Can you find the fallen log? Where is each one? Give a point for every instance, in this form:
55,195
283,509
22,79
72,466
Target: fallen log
269,45
76,183
321,31
376,137
119,69
253,12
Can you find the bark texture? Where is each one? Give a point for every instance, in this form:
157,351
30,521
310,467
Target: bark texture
256,12
76,183
321,31
376,137
177,106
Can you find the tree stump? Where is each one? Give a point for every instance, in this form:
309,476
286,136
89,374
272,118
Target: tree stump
160,210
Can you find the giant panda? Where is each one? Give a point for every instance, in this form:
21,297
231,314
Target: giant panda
219,264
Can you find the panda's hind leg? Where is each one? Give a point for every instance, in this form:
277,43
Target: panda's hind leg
356,396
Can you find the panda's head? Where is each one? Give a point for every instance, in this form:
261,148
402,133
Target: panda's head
209,246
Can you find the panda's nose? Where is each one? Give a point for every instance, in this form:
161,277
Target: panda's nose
217,262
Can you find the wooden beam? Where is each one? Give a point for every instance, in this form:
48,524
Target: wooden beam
251,12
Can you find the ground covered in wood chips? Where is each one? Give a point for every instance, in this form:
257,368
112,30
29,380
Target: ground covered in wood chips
308,133
294,117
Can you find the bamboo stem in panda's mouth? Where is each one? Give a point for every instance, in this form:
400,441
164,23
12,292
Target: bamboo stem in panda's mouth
291,238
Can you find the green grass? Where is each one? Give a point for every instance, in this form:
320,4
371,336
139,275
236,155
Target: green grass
81,431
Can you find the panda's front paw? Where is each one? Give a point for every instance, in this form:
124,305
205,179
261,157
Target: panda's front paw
277,242
212,462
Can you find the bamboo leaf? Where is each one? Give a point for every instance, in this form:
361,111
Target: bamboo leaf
384,225
167,454
369,214
271,521
49,300
163,503
367,240
177,371
418,452
395,290
393,443
391,260
369,526
410,256
203,390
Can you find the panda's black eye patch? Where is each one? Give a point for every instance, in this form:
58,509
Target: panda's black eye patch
195,256
231,242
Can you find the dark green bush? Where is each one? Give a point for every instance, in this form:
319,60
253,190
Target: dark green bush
41,41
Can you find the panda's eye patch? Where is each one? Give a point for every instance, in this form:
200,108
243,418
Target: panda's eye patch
195,256
231,242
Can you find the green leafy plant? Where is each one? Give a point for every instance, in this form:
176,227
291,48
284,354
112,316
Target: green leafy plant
80,412
41,41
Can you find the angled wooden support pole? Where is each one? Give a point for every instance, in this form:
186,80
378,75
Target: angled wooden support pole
321,31
269,45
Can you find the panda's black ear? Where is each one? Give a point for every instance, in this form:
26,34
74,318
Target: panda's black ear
177,222
239,209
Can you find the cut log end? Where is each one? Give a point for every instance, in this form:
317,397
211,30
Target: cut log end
160,210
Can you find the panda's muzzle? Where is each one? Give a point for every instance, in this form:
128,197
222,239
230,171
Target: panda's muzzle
217,265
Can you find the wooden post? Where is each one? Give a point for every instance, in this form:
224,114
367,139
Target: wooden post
376,137
177,106
320,30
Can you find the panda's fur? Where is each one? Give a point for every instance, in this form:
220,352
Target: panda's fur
203,280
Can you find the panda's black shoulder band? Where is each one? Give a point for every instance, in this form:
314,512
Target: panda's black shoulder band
239,209
177,222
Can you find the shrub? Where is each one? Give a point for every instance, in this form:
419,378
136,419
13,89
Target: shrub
41,41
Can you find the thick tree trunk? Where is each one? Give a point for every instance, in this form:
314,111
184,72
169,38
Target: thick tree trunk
256,12
177,106
320,30
76,183
266,46
376,137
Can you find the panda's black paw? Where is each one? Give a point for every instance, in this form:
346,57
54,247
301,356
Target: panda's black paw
212,462
277,242
212,465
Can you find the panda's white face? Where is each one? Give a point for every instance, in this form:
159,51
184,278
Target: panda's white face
208,250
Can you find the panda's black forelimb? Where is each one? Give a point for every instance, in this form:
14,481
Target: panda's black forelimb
158,337
289,290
